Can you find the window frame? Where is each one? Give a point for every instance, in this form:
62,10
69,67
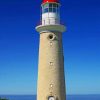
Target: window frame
50,7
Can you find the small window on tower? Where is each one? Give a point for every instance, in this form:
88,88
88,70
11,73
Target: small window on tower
51,43
46,5
50,36
54,5
57,5
54,9
51,63
50,9
51,98
45,10
51,85
50,5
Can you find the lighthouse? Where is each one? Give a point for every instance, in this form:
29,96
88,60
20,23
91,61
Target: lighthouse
51,79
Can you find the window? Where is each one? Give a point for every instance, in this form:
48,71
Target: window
54,9
46,5
54,5
50,5
51,63
51,98
57,6
45,10
51,43
51,85
50,9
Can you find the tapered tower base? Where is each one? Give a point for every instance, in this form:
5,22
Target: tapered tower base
51,80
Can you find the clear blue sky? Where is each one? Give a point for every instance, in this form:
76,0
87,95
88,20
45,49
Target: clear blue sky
19,44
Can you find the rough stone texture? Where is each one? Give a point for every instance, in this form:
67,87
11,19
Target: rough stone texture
51,80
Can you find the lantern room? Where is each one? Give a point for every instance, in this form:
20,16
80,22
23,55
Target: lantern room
50,12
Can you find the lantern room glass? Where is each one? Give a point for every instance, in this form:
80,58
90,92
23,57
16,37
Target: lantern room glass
50,7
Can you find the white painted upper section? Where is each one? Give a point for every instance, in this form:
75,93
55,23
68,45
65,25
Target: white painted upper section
50,18
50,15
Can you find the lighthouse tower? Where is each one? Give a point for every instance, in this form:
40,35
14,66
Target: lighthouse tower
51,80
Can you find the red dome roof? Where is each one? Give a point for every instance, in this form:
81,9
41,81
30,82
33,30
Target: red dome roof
45,1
